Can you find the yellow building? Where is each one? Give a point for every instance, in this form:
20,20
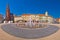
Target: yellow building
43,18
35,17
18,18
25,17
49,19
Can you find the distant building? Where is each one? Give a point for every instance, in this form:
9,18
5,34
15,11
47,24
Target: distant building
1,18
58,20
43,18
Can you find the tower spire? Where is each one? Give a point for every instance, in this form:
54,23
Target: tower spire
46,13
8,13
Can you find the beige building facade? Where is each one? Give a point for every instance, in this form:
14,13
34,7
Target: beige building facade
43,18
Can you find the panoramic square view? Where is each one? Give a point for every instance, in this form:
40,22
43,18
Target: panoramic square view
29,19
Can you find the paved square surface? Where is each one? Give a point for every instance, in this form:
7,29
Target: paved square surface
6,36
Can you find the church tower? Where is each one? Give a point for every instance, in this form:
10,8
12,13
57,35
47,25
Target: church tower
46,13
8,17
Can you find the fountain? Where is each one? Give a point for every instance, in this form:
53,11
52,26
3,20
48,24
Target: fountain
30,22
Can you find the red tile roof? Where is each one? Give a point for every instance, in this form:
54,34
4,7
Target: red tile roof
41,14
26,14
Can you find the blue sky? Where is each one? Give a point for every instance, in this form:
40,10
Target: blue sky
19,7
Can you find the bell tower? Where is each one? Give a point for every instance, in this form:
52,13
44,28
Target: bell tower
8,17
46,13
